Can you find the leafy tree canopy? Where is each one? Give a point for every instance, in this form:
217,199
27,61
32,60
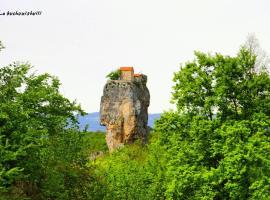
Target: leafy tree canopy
217,142
32,112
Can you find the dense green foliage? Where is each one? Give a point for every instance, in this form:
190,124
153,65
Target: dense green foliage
132,172
43,154
218,140
114,75
215,145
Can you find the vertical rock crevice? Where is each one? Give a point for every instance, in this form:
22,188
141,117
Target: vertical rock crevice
124,110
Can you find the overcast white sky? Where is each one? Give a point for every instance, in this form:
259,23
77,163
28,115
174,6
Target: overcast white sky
81,41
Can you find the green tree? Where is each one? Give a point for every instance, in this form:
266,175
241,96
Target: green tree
33,113
228,86
217,142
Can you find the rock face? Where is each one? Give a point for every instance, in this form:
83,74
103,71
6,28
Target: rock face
124,111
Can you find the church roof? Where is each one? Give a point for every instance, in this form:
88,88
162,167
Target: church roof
126,69
137,75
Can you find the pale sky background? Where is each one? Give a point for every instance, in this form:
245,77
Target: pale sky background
81,41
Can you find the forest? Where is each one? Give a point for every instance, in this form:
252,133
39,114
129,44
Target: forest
214,145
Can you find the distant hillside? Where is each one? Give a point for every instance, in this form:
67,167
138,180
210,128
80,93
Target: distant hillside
93,120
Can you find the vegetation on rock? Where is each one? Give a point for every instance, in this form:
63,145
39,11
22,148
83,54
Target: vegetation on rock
114,75
215,145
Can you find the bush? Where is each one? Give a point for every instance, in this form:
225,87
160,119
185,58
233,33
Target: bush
114,75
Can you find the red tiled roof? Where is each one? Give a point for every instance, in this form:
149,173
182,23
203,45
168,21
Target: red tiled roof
126,68
137,75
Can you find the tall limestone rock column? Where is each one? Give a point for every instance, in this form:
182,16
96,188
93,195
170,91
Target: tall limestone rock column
124,110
